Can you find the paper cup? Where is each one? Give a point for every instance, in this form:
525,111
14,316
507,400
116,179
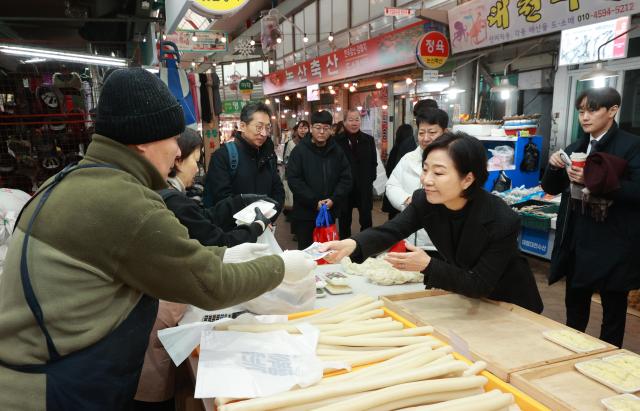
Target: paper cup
578,159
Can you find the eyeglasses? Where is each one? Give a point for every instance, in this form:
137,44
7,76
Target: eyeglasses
321,129
260,127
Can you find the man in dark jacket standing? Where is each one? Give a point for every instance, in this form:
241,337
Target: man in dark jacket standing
598,255
250,166
360,149
318,173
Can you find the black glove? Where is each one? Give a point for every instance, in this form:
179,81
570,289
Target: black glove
261,218
248,199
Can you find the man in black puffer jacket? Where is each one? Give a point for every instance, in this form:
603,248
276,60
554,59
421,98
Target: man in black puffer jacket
251,166
318,173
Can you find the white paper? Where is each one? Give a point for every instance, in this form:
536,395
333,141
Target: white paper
248,365
248,214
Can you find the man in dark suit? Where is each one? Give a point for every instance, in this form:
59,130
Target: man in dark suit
360,149
597,255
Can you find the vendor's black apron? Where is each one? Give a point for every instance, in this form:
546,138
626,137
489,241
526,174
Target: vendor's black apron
103,376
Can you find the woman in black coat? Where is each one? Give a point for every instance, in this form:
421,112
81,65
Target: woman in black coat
474,231
214,226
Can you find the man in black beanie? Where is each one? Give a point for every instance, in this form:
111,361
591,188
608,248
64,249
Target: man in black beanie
94,250
318,173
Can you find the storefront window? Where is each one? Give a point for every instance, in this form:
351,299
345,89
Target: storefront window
310,25
381,25
298,20
359,34
376,7
340,15
325,18
359,12
630,109
287,38
341,40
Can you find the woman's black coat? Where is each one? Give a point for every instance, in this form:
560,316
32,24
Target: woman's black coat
487,262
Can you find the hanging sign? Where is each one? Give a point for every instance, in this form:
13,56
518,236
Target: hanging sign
217,7
246,87
430,75
393,49
580,45
198,41
432,50
396,12
483,23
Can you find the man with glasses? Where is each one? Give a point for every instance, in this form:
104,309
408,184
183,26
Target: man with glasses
250,166
318,173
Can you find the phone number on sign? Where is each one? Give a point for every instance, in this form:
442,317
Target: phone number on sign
610,11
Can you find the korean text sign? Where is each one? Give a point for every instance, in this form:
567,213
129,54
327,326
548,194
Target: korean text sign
483,23
393,49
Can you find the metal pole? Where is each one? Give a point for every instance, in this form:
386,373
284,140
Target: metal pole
476,93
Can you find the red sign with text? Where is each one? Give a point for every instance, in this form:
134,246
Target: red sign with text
432,50
393,49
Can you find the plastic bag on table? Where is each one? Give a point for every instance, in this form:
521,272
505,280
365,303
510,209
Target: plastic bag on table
287,298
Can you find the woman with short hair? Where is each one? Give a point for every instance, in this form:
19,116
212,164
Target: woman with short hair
474,231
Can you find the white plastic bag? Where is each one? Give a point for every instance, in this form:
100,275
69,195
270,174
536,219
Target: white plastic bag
289,297
248,365
269,239
11,202
381,177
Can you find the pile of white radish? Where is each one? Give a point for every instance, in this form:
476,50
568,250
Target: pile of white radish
411,369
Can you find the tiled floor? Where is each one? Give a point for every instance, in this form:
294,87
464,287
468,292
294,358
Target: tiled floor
553,296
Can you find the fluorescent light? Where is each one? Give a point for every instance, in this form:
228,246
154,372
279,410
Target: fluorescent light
505,88
62,56
598,73
34,60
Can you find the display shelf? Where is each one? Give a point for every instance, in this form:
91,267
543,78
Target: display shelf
518,177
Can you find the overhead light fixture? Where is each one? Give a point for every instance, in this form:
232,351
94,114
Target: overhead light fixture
293,115
599,74
272,62
306,113
144,39
279,40
267,101
194,38
34,60
233,63
452,90
223,39
359,108
384,106
330,38
193,64
287,98
277,100
63,56
113,54
379,85
408,80
352,89
305,38
273,117
214,64
282,116
345,85
298,95
164,36
504,88
252,42
330,87
338,108
332,91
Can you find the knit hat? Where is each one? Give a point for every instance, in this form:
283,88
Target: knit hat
136,107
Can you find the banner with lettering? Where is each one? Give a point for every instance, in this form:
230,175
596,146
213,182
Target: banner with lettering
394,49
483,23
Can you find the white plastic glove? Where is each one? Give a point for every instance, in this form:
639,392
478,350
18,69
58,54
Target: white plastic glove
297,265
245,252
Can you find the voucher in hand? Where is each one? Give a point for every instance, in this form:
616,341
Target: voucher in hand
313,251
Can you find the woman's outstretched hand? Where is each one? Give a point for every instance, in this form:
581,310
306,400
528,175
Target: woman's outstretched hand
339,250
415,259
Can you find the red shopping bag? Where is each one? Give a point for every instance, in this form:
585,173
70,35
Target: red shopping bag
325,229
399,247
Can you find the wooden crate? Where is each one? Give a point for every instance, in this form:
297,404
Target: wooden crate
561,387
509,338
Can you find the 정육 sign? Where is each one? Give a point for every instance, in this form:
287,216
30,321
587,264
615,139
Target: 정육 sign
432,50
482,23
217,7
396,12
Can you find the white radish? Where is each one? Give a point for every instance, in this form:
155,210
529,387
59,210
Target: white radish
475,369
370,329
426,399
316,393
490,401
388,394
377,342
427,329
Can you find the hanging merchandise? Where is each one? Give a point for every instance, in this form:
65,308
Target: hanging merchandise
270,32
50,101
531,158
501,183
176,79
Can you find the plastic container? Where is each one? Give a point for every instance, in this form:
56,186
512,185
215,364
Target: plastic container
520,131
621,402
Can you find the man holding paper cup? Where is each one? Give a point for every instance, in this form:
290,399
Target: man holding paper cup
598,232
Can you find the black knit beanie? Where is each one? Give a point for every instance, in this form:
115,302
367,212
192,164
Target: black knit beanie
136,107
